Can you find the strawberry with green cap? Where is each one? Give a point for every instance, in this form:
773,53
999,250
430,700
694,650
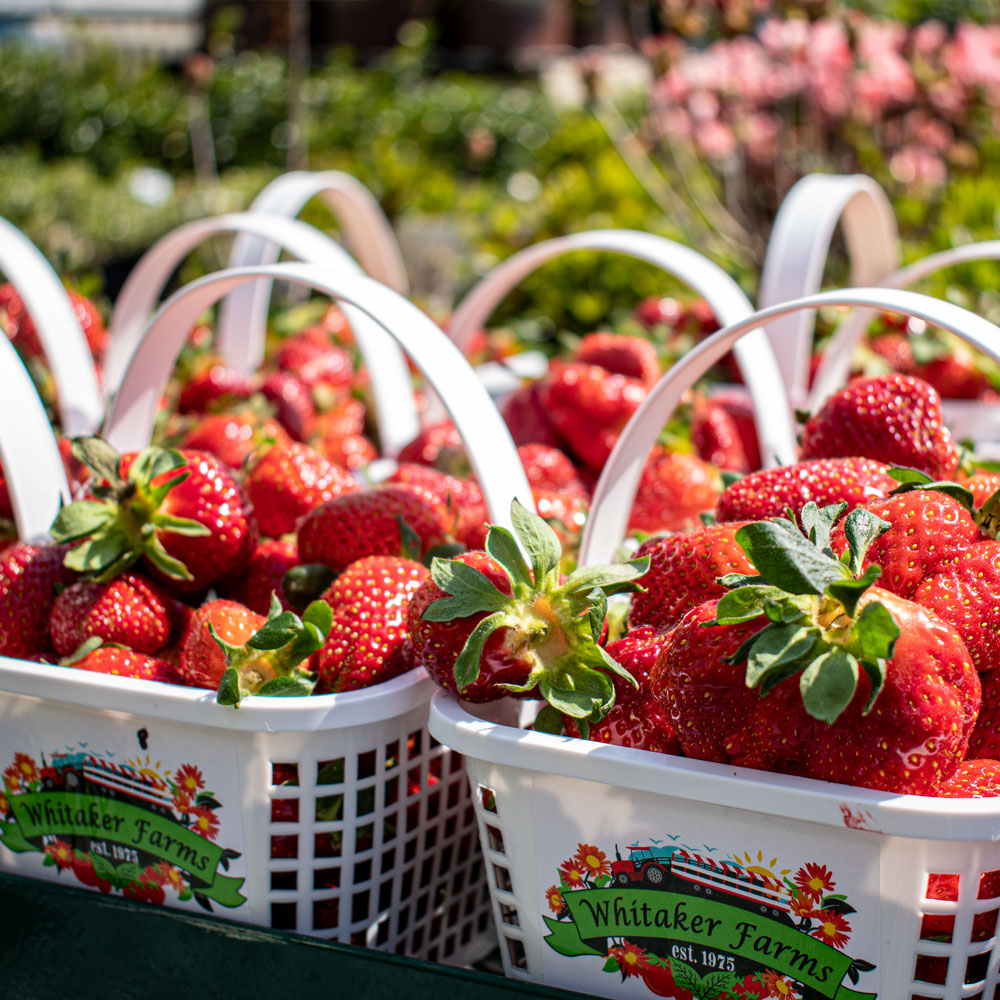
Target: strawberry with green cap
492,623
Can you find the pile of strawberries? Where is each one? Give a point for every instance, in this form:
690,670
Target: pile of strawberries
835,618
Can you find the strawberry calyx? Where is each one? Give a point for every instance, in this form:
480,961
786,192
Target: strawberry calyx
270,662
987,517
811,599
123,520
555,626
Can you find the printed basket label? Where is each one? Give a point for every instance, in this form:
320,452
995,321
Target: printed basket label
680,916
123,822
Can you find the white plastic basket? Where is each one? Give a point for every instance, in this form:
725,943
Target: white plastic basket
592,847
335,815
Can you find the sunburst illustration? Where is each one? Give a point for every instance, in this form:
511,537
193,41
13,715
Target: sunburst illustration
145,766
757,865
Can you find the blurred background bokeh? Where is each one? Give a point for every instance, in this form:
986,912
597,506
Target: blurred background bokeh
485,125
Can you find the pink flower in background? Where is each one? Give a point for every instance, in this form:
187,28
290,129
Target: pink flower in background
928,38
715,139
760,135
918,167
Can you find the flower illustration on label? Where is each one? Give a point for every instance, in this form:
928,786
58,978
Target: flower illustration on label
132,827
695,927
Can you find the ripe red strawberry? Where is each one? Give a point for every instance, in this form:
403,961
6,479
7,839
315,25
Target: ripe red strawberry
214,385
684,571
486,624
589,406
637,718
129,610
634,357
951,368
125,663
892,418
527,417
887,696
550,469
770,492
368,642
337,433
21,329
982,485
264,574
462,497
287,481
293,401
366,523
716,436
674,489
985,738
439,445
29,576
974,779
313,357
180,512
233,437
202,662
6,507
740,409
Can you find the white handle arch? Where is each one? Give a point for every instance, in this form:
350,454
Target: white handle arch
366,229
797,253
836,363
488,442
32,466
727,299
392,389
615,490
81,406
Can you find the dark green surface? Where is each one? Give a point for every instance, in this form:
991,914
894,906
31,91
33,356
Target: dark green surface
62,942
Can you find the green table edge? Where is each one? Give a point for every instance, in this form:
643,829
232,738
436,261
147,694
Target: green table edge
60,941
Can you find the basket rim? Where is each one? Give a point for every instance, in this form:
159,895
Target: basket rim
197,706
778,795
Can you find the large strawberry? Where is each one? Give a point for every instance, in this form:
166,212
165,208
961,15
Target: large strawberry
129,610
632,356
233,437
214,385
589,406
488,623
368,642
860,686
770,492
892,418
287,481
367,522
121,662
180,512
684,571
526,415
974,779
675,488
29,576
463,498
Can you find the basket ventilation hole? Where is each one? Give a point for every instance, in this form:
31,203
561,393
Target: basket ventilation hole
502,876
937,927
931,969
284,881
327,845
365,801
286,846
415,744
984,925
989,885
495,838
392,755
284,774
362,871
326,878
283,916
359,909
284,810
326,914
366,764
509,915
943,887
488,799
329,808
516,951
996,992
330,772
977,967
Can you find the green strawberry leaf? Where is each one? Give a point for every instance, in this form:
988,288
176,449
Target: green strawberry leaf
502,545
861,528
849,592
286,687
302,584
228,648
828,684
228,692
779,654
81,519
787,559
468,663
471,592
319,614
99,456
609,663
905,474
540,542
84,649
817,522
740,580
744,604
410,544
597,612
874,633
157,494
179,525
618,578
106,547
584,694
549,720
163,561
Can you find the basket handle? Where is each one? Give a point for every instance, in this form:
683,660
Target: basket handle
757,364
798,250
81,407
32,466
615,490
392,389
488,442
367,231
836,364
